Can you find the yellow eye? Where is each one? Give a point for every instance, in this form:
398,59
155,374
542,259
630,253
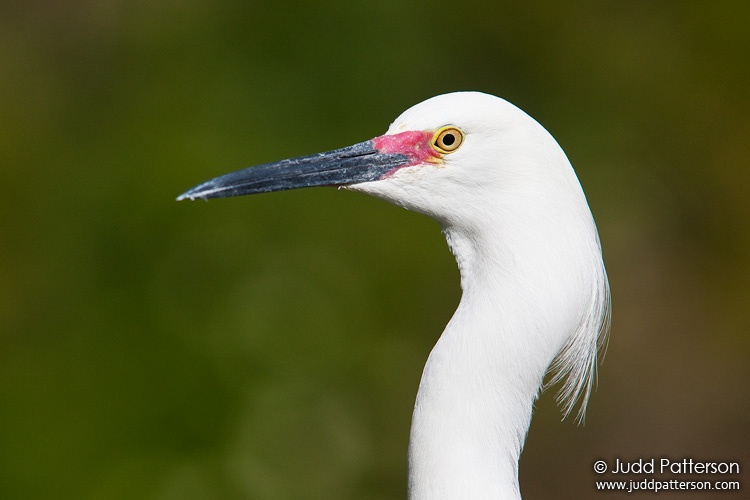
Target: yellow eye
448,139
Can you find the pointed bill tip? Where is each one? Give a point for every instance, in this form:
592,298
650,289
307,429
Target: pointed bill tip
188,195
209,189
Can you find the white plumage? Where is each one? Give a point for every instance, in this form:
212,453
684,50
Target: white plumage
535,291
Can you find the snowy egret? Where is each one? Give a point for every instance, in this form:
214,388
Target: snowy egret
535,292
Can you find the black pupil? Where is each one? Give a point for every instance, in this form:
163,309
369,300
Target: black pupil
449,139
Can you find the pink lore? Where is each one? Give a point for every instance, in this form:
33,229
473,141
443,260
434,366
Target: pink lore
415,144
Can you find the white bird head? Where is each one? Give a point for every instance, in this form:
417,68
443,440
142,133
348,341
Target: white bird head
445,154
467,152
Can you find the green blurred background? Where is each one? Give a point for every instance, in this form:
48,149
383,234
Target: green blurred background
270,347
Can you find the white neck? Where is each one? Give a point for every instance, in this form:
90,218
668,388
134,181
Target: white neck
476,395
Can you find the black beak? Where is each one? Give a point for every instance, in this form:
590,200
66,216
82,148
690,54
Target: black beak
361,162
